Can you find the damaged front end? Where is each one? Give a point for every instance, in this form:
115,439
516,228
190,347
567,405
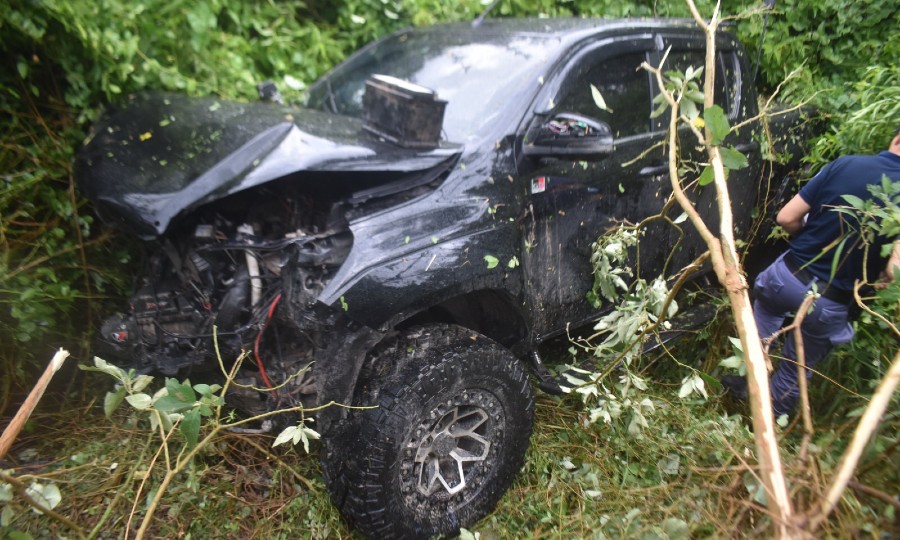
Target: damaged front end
249,216
226,286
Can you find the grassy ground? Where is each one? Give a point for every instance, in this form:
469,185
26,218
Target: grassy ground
685,476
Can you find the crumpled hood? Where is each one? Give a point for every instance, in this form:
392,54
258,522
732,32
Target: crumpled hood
160,155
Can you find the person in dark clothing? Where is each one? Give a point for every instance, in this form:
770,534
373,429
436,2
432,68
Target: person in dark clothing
825,255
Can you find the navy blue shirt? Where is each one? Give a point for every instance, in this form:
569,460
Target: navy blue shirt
824,229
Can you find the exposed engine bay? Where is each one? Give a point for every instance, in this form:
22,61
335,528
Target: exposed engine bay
218,280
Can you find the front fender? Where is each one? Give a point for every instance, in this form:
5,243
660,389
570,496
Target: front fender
383,294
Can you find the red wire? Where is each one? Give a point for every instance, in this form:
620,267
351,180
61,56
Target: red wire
259,362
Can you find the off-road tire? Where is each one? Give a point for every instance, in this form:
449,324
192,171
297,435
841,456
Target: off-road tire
449,400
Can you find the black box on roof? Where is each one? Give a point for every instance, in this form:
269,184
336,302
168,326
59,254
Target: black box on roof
402,112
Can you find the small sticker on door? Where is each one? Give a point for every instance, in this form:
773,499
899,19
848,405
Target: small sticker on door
538,185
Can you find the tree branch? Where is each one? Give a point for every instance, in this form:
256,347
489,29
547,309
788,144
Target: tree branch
18,422
867,425
801,374
22,492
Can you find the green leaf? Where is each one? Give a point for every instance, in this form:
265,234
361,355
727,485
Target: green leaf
598,99
181,391
717,123
166,420
168,404
308,433
6,517
141,382
514,262
732,362
695,96
204,389
707,176
47,495
102,366
22,67
112,400
286,435
675,76
854,201
692,73
689,109
190,427
660,109
837,255
491,261
296,434
139,401
732,159
6,492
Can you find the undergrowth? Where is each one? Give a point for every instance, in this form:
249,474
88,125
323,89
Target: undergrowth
688,476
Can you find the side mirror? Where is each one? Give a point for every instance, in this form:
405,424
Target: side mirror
568,135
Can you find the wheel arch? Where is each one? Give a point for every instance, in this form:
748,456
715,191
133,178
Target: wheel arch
490,312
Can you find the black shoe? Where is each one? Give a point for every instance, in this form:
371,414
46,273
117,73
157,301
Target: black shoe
736,387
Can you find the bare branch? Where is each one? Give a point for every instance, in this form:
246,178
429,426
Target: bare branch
21,491
18,422
644,154
871,312
677,189
867,426
797,325
765,110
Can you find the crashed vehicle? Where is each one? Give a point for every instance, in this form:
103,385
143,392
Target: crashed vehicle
410,240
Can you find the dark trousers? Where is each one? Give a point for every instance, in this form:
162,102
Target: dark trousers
778,294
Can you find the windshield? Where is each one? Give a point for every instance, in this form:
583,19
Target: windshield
476,75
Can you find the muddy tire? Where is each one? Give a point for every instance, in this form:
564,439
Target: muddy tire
453,418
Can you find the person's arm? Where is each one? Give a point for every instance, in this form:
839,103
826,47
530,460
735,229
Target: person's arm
790,217
893,264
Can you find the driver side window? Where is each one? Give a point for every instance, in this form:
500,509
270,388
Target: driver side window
622,85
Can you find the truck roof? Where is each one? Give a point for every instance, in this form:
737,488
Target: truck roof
571,28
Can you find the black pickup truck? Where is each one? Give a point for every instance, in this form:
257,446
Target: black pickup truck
409,240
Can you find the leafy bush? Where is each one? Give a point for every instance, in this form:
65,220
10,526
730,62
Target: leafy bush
849,67
835,40
869,115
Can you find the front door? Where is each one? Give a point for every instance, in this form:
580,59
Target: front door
574,201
